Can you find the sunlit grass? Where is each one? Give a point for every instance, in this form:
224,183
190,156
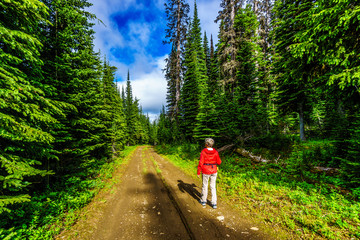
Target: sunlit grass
312,212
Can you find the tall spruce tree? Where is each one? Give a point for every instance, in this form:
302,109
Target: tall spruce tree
194,90
136,122
26,113
207,54
330,42
239,108
266,83
165,133
129,112
294,73
177,17
113,116
73,71
213,72
227,46
331,38
170,75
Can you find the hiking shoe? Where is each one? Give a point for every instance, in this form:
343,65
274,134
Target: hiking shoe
202,203
214,206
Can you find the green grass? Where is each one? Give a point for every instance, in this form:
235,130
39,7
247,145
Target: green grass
53,210
277,197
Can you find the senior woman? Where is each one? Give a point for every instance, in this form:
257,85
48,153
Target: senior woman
209,159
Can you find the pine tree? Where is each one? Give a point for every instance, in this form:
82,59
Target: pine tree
170,76
293,73
213,73
164,128
177,16
350,164
113,116
227,46
26,113
194,90
333,56
123,96
136,122
331,39
130,114
266,83
144,127
239,108
207,55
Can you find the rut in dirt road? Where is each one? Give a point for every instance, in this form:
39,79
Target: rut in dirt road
142,209
156,200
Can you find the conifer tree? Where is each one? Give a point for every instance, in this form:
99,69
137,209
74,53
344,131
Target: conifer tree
164,128
136,121
293,73
123,96
332,54
194,89
227,46
350,164
26,113
113,116
177,16
170,75
74,71
207,54
130,114
213,70
144,127
335,51
266,83
239,108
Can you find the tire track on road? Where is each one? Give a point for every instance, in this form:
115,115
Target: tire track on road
174,202
203,223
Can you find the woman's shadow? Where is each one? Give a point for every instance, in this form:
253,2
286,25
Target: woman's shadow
190,189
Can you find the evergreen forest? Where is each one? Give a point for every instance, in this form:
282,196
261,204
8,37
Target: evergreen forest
279,94
283,76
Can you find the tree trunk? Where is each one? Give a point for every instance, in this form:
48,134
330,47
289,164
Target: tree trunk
301,120
178,66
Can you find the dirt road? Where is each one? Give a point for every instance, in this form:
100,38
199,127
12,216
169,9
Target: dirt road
156,200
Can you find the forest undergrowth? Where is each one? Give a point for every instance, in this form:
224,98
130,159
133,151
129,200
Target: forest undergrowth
283,193
58,208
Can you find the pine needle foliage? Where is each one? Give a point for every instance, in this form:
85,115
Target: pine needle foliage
26,114
194,89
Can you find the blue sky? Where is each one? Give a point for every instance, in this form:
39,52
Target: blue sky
131,39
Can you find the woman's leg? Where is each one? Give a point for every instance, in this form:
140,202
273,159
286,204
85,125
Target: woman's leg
213,188
204,190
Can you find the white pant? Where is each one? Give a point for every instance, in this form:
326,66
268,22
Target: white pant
205,180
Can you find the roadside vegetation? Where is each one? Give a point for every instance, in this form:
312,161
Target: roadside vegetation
53,210
283,193
282,82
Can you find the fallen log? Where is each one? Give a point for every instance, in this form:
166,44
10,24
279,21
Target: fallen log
257,159
226,147
327,170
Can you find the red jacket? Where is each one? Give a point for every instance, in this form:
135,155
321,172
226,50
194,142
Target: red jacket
209,159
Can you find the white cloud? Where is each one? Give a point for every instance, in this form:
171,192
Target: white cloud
106,34
150,87
140,31
146,74
207,11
